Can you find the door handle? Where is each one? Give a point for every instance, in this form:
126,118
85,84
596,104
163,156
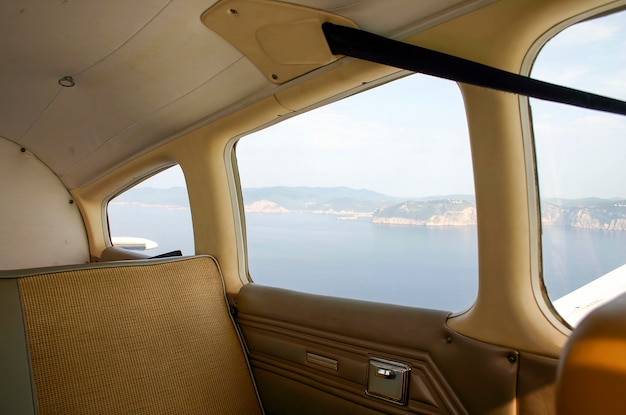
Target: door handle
388,380
381,372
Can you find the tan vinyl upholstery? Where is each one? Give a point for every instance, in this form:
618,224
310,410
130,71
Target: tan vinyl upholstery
592,370
135,337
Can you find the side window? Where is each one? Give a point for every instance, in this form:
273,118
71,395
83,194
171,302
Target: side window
581,169
370,198
154,216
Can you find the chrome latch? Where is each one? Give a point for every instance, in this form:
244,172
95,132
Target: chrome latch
385,373
388,380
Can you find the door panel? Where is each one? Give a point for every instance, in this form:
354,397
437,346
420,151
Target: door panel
536,384
450,373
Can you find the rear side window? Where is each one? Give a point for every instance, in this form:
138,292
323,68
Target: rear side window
153,217
581,169
371,197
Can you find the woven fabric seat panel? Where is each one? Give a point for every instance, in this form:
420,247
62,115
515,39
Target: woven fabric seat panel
149,339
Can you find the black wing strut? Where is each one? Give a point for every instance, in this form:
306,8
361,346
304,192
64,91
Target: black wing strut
368,46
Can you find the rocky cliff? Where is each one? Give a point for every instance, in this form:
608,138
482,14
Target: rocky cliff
586,214
603,214
448,212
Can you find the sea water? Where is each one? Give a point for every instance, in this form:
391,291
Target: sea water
432,267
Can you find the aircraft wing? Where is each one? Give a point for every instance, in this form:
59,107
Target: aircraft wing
573,307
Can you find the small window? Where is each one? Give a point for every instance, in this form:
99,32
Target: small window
153,217
371,197
581,169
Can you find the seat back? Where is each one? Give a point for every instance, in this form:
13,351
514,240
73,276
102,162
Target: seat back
127,337
592,370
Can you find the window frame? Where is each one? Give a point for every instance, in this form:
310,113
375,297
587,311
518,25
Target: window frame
126,187
534,200
236,185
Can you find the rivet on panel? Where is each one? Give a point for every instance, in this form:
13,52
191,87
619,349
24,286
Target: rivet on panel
233,11
448,339
512,358
274,76
23,150
67,82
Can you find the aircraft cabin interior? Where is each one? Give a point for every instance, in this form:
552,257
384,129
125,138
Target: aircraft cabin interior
313,207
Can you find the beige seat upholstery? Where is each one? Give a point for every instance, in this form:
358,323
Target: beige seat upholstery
135,337
592,370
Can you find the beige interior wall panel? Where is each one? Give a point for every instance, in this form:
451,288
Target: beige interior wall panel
39,226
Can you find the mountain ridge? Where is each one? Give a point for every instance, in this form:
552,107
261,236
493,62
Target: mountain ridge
348,203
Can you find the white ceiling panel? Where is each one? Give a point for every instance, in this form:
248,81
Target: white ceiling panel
209,98
158,66
41,41
144,71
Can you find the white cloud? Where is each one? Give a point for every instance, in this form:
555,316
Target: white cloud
570,75
580,152
615,84
585,33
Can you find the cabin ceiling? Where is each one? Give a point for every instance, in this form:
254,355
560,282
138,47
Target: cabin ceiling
144,71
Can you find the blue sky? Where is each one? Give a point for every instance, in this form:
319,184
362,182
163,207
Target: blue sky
582,153
390,139
409,138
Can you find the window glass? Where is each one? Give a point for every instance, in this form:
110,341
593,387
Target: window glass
581,169
153,217
370,198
